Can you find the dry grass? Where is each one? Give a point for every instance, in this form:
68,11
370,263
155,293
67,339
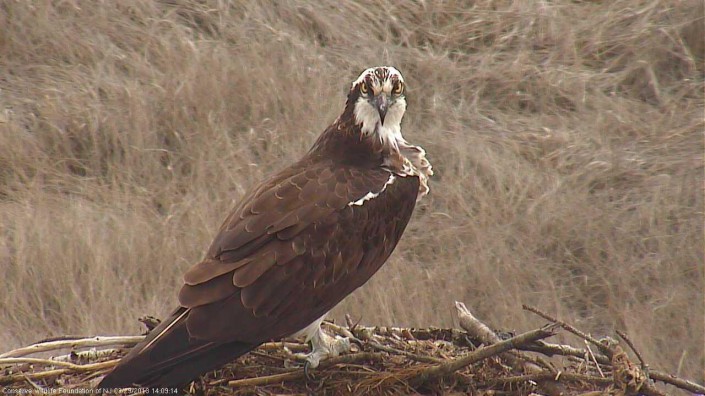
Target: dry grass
567,139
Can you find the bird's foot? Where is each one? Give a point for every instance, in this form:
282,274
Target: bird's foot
323,347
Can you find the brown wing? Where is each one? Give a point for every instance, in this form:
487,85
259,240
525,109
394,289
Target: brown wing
294,249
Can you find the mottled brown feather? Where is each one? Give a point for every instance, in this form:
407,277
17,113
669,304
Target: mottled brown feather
333,253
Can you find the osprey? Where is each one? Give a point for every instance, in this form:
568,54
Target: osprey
294,246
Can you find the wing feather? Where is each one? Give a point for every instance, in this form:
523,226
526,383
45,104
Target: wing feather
294,251
211,268
246,275
281,282
216,289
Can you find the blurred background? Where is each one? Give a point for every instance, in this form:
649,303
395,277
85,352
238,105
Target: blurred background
567,139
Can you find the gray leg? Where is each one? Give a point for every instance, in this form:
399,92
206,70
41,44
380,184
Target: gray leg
323,346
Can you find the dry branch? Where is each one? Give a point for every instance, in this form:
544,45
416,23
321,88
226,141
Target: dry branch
549,349
603,348
629,342
545,376
20,377
89,355
45,362
627,377
453,365
98,341
689,386
482,332
300,373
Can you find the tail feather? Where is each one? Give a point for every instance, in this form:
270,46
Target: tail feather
169,358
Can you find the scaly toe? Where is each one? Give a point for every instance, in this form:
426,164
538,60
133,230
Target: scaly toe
340,345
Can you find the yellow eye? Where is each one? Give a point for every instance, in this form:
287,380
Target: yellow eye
398,88
363,88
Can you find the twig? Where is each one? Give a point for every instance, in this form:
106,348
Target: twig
276,378
611,351
340,330
374,344
562,376
267,379
350,323
603,348
474,326
644,366
550,349
36,386
64,337
410,355
689,386
91,354
484,334
451,366
594,360
73,343
51,373
411,333
47,362
537,361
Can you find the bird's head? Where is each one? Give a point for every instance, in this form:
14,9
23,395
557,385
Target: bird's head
378,99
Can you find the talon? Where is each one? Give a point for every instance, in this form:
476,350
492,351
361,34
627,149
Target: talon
307,372
356,341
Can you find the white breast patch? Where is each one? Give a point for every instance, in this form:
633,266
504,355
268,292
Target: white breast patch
372,195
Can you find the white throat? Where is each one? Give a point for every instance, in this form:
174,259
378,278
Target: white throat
389,133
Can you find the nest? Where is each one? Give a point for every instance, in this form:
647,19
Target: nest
384,360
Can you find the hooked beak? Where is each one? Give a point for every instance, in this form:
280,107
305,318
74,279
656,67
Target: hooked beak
382,104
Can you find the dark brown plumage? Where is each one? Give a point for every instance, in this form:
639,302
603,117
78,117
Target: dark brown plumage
288,253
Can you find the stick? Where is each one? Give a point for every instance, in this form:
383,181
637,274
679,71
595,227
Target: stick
374,344
300,373
453,365
46,362
671,379
340,330
484,334
609,350
267,380
474,326
406,333
626,339
567,350
412,356
481,332
51,373
64,337
550,349
562,376
603,348
73,343
594,360
91,354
